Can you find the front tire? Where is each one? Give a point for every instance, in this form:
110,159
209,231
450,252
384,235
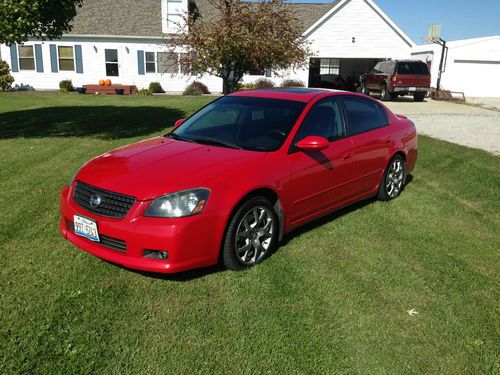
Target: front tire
364,89
252,234
393,181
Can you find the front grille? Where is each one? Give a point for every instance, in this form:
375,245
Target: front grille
112,204
109,242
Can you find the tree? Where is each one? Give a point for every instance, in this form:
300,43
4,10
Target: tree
6,78
43,19
242,36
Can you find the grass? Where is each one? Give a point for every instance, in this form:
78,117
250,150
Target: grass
332,300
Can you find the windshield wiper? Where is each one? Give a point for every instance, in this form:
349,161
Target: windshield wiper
215,142
178,137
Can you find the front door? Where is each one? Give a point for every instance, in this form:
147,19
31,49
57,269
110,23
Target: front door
320,179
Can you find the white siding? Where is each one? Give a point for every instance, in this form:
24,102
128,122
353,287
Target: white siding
374,37
94,67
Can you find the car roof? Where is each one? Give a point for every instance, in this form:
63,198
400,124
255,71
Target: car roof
299,94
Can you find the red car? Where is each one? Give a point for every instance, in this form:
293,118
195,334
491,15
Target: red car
398,78
227,183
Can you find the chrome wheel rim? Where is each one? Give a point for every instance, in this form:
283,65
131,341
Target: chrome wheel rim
254,235
394,180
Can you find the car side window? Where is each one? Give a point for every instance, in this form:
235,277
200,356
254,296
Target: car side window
364,115
377,68
323,120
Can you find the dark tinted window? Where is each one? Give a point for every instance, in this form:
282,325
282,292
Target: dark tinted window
364,115
249,123
323,120
412,68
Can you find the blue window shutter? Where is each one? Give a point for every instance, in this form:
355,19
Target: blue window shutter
53,58
14,62
140,62
39,58
79,58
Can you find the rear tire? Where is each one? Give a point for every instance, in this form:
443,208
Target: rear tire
252,234
393,181
384,94
419,97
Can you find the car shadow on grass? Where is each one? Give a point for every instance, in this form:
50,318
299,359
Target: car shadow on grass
102,122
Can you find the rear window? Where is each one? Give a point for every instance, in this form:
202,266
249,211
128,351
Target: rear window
418,68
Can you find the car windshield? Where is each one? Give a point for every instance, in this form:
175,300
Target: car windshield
258,124
412,68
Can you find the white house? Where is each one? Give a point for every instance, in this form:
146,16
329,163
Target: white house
472,65
126,41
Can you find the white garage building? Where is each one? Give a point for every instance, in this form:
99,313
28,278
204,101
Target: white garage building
472,65
127,42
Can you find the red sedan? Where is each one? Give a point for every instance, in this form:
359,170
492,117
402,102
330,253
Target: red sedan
228,182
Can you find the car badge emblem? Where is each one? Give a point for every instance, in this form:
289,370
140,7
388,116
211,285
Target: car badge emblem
95,201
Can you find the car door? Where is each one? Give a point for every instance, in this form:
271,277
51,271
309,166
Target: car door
371,78
368,129
319,178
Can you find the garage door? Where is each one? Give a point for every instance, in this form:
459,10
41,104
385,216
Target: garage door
474,78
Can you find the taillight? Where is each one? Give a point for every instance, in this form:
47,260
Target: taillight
394,79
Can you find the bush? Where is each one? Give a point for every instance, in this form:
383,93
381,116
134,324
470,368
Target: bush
23,87
263,83
6,78
66,86
292,83
196,88
144,92
155,88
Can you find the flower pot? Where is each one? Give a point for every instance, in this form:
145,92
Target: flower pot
119,91
81,90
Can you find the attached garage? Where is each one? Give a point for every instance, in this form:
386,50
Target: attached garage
472,65
349,40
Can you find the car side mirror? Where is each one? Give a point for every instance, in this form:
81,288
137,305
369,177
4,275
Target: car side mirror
312,143
179,122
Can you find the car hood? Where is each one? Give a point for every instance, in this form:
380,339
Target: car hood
155,167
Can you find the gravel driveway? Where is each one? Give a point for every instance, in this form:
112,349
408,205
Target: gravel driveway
458,123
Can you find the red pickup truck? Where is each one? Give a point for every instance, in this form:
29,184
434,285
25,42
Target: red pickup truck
398,78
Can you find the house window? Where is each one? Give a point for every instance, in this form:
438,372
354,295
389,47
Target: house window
66,58
26,58
168,63
329,66
111,62
257,72
174,13
150,62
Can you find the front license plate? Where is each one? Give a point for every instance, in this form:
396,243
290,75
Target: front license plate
86,228
412,89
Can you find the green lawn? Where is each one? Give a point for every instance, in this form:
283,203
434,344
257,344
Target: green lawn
332,300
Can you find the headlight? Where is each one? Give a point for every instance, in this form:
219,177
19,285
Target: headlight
179,204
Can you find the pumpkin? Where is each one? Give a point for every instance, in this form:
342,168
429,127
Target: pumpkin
101,82
108,82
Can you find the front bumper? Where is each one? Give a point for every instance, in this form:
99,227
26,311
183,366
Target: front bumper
191,242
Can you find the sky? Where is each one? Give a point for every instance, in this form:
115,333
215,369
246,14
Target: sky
459,19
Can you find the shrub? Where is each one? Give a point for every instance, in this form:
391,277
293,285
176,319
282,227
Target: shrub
144,92
292,83
263,83
196,88
155,88
6,78
23,87
66,86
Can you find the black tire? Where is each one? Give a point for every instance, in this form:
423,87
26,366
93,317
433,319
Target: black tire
393,96
384,94
419,96
230,256
384,191
364,89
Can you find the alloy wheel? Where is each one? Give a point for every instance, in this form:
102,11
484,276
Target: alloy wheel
394,179
254,235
